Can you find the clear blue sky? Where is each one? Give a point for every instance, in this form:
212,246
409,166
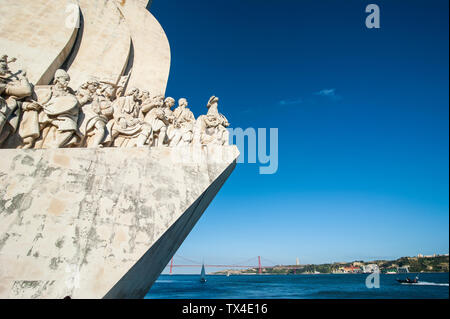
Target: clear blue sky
363,171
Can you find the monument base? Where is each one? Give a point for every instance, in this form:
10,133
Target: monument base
100,223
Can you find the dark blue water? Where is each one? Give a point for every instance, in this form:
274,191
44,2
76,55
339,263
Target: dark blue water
296,286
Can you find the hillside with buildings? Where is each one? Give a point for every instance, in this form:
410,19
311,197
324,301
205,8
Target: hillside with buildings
420,263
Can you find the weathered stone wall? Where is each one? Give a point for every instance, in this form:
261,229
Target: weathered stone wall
93,223
151,49
113,38
103,48
35,32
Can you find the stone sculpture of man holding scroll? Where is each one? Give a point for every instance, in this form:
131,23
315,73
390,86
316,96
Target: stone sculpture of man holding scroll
59,115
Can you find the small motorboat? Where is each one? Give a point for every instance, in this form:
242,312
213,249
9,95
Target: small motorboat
408,280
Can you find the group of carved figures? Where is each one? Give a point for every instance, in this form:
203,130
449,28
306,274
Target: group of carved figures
99,114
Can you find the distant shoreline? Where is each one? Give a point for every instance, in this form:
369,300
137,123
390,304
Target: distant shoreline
403,265
268,274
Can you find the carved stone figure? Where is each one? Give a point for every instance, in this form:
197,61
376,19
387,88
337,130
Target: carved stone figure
169,103
29,130
86,92
144,98
127,128
59,115
97,112
211,128
149,103
98,115
184,121
160,117
14,88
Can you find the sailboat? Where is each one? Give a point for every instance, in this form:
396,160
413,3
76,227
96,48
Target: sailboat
203,274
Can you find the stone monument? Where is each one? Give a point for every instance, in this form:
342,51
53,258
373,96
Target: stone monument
101,178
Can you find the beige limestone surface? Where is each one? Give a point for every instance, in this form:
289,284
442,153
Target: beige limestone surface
112,36
104,46
151,49
144,3
94,223
35,32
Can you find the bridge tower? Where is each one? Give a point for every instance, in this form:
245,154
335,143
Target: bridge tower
259,265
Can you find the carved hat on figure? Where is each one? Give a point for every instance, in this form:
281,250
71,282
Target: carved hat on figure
212,100
60,73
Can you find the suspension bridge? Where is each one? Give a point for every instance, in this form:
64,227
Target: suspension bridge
243,264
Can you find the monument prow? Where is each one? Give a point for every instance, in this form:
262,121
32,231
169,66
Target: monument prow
101,179
100,223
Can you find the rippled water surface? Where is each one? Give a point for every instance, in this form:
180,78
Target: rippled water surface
297,286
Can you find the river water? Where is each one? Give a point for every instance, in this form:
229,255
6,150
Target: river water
333,286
